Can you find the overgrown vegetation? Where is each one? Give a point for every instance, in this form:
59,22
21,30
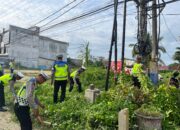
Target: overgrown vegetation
78,114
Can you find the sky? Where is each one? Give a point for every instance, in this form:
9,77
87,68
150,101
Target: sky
97,29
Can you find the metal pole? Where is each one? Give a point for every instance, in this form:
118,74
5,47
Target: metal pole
115,39
123,35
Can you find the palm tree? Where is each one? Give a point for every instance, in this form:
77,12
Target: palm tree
147,58
176,55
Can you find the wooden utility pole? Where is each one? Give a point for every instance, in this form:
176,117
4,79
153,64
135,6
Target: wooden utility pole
123,35
154,56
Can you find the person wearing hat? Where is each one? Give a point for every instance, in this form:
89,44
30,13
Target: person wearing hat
136,70
75,78
4,81
60,76
26,99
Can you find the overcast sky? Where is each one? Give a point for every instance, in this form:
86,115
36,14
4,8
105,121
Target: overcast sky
96,30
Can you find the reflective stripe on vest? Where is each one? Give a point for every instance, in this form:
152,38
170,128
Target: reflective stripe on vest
137,68
73,74
21,96
5,79
61,72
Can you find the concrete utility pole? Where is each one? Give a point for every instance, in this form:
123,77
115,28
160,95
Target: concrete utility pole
142,21
154,58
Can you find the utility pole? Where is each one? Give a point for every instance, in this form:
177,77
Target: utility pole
154,58
142,25
113,42
123,35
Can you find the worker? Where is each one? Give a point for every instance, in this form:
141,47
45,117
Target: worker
4,81
1,69
26,99
174,80
75,78
11,66
136,71
60,76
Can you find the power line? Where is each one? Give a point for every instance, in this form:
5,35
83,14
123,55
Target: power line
63,13
173,36
55,12
85,26
84,15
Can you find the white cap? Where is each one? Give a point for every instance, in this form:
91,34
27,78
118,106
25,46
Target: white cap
44,75
59,55
83,67
20,74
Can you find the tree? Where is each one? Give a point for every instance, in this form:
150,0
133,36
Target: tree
147,59
85,54
176,55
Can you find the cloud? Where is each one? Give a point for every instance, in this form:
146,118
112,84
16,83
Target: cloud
96,29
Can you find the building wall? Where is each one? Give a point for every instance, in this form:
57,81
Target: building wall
32,50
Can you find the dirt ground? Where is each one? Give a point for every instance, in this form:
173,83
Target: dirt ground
6,122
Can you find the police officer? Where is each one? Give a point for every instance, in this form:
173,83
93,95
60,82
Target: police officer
136,70
75,78
27,98
60,76
4,81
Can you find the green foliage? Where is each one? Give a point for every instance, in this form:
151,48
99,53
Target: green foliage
149,110
96,76
176,55
168,100
78,114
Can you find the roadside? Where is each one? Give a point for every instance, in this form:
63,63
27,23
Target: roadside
6,122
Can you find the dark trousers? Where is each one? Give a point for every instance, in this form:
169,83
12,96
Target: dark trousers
57,85
136,82
11,70
23,115
2,98
72,84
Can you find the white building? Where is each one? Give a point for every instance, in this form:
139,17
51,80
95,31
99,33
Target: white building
30,49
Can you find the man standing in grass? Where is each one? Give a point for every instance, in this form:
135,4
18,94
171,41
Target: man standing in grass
60,76
136,71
